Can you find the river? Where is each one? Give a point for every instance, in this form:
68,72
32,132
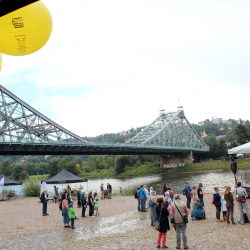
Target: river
176,181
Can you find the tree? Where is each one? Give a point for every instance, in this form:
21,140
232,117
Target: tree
23,175
242,133
78,168
52,166
230,136
121,162
71,167
211,141
16,171
62,164
221,149
78,160
102,165
5,168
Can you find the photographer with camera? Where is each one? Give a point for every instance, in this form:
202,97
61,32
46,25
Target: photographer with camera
241,196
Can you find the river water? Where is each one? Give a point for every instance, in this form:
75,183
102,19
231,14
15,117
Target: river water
176,181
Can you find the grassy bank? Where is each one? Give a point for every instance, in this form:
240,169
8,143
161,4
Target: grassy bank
242,163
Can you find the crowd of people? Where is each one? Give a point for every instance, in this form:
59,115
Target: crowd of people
166,210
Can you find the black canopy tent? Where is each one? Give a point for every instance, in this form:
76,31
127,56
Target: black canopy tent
9,182
65,177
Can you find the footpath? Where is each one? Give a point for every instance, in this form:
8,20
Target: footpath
119,226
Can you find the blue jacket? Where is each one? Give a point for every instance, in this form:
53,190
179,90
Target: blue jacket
188,190
142,194
217,199
198,211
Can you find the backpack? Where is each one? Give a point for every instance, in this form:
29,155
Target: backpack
136,195
60,206
151,204
184,191
191,194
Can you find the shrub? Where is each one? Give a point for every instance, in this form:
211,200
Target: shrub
31,188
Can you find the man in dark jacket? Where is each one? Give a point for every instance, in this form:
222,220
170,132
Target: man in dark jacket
188,190
44,197
84,203
217,202
79,193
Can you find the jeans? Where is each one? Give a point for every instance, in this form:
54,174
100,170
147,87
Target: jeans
91,210
230,210
139,204
153,222
44,207
143,202
188,202
181,229
83,210
65,216
72,222
246,207
218,210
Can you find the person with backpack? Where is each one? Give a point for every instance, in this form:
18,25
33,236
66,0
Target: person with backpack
142,195
187,188
84,203
217,202
241,196
65,206
138,199
152,203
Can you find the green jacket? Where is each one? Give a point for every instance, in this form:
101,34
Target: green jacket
71,212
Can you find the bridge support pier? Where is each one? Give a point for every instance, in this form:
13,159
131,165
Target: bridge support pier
175,159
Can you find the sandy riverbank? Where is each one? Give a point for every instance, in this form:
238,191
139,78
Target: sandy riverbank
119,226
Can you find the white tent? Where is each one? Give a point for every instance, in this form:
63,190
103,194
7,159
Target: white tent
245,148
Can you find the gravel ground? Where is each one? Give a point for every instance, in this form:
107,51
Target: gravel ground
119,226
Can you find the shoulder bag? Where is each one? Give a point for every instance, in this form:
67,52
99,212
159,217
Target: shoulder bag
157,224
185,218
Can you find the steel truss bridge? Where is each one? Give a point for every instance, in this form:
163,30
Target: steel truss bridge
25,131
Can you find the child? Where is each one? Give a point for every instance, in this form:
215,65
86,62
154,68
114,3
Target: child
72,213
193,195
217,202
224,208
96,207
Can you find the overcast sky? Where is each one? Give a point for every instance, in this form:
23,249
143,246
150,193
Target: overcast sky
112,65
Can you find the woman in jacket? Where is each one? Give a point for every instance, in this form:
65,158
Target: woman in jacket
153,215
229,204
198,212
65,214
162,216
168,199
217,202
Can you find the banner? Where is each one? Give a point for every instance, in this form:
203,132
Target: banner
1,185
43,185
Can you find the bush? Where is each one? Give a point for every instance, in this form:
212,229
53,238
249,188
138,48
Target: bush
121,162
87,168
8,191
32,188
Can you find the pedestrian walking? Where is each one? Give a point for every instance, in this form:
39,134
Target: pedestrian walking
228,196
187,187
217,202
200,194
162,217
178,211
65,214
241,196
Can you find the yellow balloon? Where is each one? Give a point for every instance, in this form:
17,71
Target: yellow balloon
25,30
1,61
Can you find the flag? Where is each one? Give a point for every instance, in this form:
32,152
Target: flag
43,185
1,185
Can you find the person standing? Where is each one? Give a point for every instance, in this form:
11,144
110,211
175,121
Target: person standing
109,187
217,202
153,215
102,191
241,196
187,187
65,214
178,210
147,194
228,196
193,195
162,216
138,199
200,194
164,189
84,204
79,194
44,199
143,197
72,216
91,204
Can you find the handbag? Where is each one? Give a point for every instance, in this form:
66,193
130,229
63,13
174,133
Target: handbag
185,218
157,224
213,200
151,204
